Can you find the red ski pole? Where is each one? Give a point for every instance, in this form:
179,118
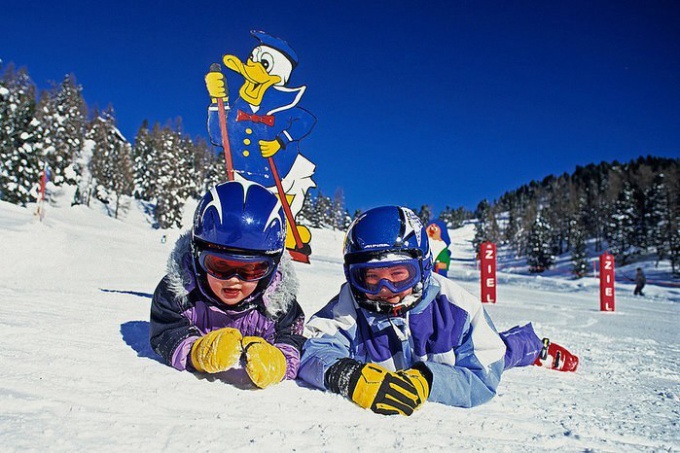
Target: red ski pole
222,111
297,255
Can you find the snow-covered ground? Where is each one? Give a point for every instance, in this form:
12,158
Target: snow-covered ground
77,372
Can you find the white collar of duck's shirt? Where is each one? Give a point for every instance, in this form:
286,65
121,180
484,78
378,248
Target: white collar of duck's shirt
286,93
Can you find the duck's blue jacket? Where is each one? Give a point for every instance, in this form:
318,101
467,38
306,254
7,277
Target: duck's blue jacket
278,118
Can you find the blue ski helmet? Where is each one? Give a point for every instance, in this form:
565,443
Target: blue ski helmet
239,218
379,233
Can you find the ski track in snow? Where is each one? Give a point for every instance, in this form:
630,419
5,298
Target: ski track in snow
77,372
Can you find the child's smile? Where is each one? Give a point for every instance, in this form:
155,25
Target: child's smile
231,291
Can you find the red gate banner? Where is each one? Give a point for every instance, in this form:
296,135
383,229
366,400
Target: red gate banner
607,275
487,263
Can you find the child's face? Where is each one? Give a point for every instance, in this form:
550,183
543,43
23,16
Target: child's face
394,274
231,291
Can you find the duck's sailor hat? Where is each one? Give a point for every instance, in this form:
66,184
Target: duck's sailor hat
278,44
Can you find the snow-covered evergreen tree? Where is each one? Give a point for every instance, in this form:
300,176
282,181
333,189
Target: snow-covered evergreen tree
21,150
674,250
424,214
111,163
454,218
306,214
321,211
539,253
175,176
210,167
621,231
658,217
579,256
340,217
144,159
63,112
481,227
486,229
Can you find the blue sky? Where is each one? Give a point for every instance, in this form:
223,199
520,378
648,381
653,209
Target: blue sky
437,102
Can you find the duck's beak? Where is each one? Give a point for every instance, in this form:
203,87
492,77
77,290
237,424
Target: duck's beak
256,79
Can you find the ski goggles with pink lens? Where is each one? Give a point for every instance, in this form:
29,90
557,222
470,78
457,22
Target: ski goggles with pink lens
397,276
224,266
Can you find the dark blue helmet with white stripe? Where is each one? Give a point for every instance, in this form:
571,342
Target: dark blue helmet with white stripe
240,216
384,235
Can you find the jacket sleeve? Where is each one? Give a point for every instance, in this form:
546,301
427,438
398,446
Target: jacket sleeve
333,331
299,126
171,333
479,364
288,338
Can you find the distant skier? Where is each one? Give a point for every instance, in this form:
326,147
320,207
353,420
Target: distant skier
399,334
229,294
640,282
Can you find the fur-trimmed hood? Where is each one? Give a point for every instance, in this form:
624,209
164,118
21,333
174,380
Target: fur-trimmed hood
275,300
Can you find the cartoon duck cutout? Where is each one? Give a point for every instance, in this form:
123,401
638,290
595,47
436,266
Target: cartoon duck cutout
265,121
438,236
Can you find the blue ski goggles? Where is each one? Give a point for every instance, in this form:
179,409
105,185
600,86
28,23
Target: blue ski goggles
248,268
397,276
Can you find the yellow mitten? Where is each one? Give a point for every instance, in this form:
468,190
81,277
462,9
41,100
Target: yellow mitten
265,363
217,351
214,81
269,147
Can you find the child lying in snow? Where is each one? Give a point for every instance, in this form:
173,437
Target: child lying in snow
399,334
229,294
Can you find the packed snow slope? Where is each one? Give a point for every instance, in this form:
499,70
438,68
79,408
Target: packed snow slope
77,372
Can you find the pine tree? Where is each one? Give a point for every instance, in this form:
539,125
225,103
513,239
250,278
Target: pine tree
424,214
321,217
481,227
340,216
674,250
210,168
454,218
111,163
622,226
175,175
539,255
306,214
658,218
486,228
579,256
63,111
20,142
511,231
144,159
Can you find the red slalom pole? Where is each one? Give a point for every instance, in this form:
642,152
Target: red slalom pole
289,214
222,111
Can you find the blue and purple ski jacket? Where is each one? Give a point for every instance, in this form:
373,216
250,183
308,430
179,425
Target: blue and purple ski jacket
449,331
181,313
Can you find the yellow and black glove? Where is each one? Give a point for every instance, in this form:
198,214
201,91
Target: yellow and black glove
373,387
217,351
264,362
216,85
421,379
